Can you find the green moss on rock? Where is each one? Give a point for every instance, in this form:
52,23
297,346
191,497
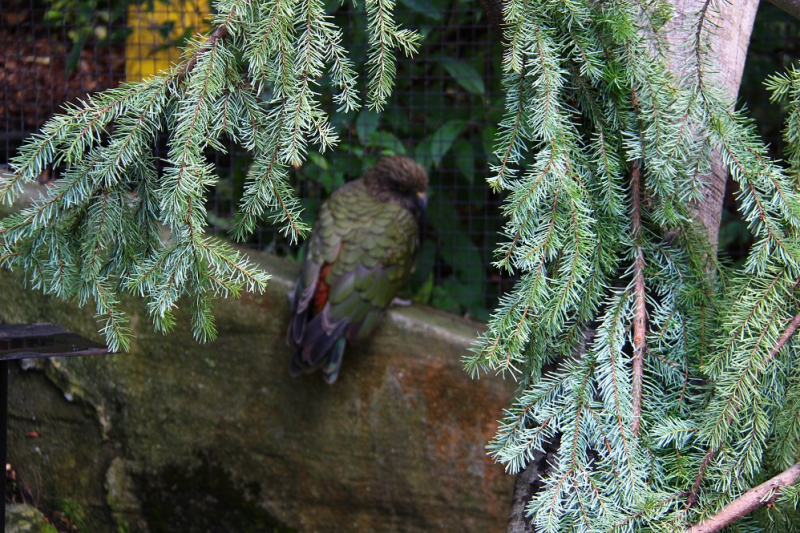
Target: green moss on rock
397,444
21,518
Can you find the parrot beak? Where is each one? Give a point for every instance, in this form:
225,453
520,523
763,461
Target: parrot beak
422,201
421,205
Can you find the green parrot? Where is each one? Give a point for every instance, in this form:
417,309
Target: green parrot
361,251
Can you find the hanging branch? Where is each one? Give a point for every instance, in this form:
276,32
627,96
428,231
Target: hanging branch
764,494
97,232
652,134
639,306
787,334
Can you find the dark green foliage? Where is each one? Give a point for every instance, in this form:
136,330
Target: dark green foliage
437,116
86,21
98,231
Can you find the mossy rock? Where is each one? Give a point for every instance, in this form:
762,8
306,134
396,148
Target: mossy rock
21,518
397,444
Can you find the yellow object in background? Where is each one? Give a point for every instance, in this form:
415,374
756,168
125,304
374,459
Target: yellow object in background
157,35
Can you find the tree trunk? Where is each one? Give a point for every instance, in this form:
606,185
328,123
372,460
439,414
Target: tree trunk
729,48
790,6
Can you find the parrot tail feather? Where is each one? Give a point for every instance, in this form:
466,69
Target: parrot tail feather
330,371
317,344
297,331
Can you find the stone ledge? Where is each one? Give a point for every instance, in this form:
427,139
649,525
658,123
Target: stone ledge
397,444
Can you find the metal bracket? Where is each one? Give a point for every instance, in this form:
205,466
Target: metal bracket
27,341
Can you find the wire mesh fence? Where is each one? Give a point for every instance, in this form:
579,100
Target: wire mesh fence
443,113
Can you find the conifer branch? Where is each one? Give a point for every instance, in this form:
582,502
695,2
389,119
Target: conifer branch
96,231
698,480
220,33
764,494
787,334
639,309
634,110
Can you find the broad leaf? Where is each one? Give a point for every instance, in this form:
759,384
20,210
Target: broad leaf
465,75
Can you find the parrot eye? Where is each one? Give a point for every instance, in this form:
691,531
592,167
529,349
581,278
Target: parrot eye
402,187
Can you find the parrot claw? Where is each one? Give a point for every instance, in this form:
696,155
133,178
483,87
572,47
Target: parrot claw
400,302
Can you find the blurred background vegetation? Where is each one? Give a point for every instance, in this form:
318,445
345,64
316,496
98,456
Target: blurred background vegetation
775,45
443,113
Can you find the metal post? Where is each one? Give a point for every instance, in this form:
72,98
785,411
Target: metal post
3,432
22,341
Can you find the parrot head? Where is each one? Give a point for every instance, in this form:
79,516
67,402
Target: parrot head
401,181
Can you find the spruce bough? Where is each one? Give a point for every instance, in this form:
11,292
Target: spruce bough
660,382
663,382
97,232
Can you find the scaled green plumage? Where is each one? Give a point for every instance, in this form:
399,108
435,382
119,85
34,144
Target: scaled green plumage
361,252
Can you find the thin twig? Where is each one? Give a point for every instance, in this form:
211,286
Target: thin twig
782,340
692,499
640,311
219,33
639,513
764,494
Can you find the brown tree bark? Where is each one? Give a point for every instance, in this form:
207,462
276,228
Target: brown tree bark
731,38
764,494
790,6
734,24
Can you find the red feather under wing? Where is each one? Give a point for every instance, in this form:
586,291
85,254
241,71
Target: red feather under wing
322,290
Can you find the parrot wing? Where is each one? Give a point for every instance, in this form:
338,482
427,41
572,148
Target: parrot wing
360,255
